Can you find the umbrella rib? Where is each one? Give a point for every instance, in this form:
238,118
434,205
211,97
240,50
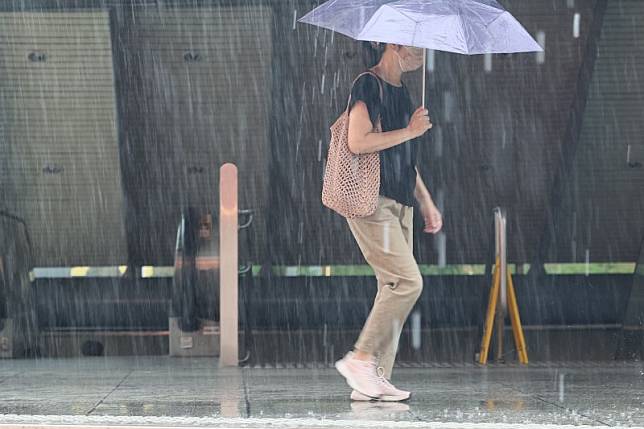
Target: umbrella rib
413,40
460,21
486,26
494,20
359,36
405,15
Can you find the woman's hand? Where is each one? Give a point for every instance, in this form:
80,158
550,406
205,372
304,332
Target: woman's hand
419,123
431,215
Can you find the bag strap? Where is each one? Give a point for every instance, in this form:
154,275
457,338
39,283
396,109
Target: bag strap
356,79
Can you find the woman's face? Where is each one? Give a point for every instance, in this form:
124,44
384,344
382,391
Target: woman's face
410,58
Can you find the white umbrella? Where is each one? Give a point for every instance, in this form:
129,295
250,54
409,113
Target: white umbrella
461,26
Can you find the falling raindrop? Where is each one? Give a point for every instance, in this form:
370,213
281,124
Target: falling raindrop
438,141
573,243
431,59
575,25
415,330
541,40
448,106
487,61
440,199
441,248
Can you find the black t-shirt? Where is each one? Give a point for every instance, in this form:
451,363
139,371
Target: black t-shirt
397,163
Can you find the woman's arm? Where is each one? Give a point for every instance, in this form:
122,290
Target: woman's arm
420,192
362,138
432,217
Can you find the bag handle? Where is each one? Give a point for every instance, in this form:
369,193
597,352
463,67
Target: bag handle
356,79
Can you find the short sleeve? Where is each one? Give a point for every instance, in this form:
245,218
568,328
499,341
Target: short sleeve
367,89
411,99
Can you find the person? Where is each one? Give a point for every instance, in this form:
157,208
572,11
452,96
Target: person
385,237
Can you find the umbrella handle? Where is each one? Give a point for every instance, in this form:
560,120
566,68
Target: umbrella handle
424,73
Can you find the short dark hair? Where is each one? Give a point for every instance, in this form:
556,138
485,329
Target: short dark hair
373,52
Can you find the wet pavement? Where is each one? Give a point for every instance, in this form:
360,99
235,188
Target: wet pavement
169,391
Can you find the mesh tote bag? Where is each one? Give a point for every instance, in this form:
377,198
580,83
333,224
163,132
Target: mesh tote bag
351,182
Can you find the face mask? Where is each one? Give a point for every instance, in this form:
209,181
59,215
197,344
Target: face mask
412,62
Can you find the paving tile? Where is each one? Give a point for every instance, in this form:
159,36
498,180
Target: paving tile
187,388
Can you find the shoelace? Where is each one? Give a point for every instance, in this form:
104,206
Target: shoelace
381,378
378,377
380,371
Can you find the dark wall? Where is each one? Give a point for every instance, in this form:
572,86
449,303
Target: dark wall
312,302
196,93
497,136
59,135
604,193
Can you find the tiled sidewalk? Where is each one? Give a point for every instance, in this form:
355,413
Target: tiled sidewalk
166,391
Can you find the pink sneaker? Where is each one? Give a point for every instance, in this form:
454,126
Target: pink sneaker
390,393
361,375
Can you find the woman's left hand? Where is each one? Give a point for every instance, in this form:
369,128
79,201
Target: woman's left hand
431,215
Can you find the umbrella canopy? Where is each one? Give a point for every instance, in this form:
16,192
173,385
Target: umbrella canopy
461,26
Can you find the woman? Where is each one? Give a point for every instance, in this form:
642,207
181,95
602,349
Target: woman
385,237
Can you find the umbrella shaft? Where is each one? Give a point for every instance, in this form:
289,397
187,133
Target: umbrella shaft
424,73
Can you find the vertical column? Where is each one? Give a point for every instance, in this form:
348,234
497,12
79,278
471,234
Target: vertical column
228,272
501,305
630,343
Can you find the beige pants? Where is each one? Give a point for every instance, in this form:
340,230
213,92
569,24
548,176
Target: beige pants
385,239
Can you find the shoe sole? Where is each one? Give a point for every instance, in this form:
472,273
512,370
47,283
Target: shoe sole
361,398
394,399
346,373
383,398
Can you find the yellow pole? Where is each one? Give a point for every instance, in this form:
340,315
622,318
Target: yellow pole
489,318
519,340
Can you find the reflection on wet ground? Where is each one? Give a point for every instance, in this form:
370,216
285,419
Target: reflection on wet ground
194,391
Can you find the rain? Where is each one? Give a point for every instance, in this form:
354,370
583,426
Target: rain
167,259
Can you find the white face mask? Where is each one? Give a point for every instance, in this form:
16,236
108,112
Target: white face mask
413,61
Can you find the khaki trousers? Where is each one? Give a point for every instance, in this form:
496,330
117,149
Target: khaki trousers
385,239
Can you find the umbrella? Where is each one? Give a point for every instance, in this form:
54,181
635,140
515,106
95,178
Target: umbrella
462,26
